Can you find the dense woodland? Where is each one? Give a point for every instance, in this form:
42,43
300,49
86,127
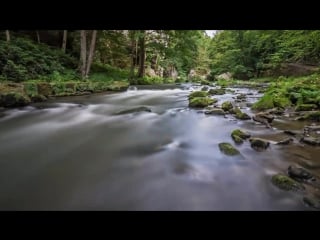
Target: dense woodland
149,56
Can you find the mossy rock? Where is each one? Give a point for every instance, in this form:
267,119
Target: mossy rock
38,98
205,88
226,106
217,91
311,201
299,173
45,89
237,140
241,115
259,144
241,96
214,111
286,183
13,99
134,110
228,149
313,116
311,141
201,102
238,135
305,107
198,94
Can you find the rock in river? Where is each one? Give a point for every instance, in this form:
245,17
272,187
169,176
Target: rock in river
286,183
238,135
134,110
228,149
299,173
259,144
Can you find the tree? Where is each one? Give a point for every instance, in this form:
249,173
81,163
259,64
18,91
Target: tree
91,51
8,35
142,56
64,40
83,52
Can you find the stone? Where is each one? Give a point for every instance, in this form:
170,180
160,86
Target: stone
259,144
228,149
226,106
286,183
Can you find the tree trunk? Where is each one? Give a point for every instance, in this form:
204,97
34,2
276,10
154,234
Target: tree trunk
91,51
83,53
8,35
142,55
133,54
136,62
38,36
64,40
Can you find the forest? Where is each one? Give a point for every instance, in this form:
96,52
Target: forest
159,119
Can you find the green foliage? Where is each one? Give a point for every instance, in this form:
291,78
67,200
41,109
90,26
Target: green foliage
22,59
250,53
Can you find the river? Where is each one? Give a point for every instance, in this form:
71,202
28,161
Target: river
76,153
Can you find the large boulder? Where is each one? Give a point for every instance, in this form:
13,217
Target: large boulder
228,149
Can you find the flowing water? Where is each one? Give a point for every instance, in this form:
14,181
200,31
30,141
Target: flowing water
78,154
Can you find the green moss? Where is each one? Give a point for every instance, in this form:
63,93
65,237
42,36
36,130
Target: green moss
238,135
266,102
306,107
13,99
313,116
241,115
220,91
30,88
286,183
226,106
45,89
201,102
228,149
237,139
205,82
198,94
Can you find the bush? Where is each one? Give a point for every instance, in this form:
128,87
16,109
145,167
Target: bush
22,59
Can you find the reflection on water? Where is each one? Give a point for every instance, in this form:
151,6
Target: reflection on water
77,154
